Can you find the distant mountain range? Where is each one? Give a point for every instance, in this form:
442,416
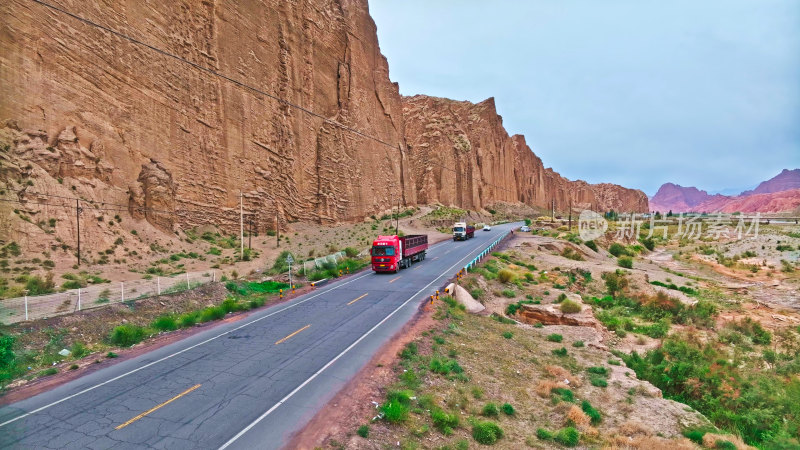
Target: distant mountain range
780,193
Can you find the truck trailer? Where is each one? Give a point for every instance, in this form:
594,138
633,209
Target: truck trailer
392,253
462,231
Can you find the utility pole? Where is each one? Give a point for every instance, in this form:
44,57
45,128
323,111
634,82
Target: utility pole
78,222
553,211
277,228
397,226
250,232
241,222
570,213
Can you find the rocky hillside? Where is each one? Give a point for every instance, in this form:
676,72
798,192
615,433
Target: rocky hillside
779,193
460,153
92,115
784,181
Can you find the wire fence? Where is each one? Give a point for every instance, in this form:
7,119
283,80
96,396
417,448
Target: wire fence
20,309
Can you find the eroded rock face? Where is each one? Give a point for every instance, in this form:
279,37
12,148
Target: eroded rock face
152,197
552,315
215,138
462,155
95,111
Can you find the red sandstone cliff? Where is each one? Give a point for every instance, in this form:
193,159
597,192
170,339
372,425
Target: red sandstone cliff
461,155
88,114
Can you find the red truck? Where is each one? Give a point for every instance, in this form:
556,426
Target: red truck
392,253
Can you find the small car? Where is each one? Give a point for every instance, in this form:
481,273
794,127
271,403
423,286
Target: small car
525,229
487,228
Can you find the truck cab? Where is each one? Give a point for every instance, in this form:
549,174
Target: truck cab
392,253
462,231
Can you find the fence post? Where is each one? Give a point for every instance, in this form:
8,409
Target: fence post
79,299
187,280
122,290
158,285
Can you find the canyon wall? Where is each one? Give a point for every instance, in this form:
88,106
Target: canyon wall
137,109
461,154
87,113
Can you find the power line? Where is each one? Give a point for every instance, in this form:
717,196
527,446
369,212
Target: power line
240,83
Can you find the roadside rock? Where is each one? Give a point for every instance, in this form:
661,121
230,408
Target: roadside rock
462,296
552,315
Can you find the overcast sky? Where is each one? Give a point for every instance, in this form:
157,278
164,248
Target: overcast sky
635,92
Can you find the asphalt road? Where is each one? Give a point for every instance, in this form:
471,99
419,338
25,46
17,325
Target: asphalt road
245,384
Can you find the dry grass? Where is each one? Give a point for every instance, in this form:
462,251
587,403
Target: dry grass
578,417
560,373
544,387
648,443
710,440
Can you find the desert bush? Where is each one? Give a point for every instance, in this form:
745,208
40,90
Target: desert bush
394,411
578,344
165,323
591,245
570,307
555,337
486,433
568,437
616,282
560,352
127,335
618,250
409,351
444,422
590,411
625,261
508,409
363,431
79,350
570,253
509,293
506,276
490,410
445,366
211,313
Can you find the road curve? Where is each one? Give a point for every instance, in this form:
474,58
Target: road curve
246,384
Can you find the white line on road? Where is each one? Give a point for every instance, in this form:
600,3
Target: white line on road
176,353
336,358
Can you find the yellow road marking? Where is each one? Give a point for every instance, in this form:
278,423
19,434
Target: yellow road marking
287,337
394,279
119,427
359,298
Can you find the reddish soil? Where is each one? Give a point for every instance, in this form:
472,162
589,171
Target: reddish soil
352,406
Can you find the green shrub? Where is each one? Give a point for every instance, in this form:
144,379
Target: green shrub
363,431
127,335
618,249
555,337
78,351
509,293
561,352
625,261
490,410
111,355
394,411
506,276
508,409
165,323
409,351
568,437
445,366
649,243
724,445
187,320
47,372
570,307
598,381
211,313
590,411
599,370
444,422
508,334
486,433
591,245
351,252
578,344
565,395
543,434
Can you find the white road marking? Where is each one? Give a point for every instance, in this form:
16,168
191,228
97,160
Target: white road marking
176,353
336,358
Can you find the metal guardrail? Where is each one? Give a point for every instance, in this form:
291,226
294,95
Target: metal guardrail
485,252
